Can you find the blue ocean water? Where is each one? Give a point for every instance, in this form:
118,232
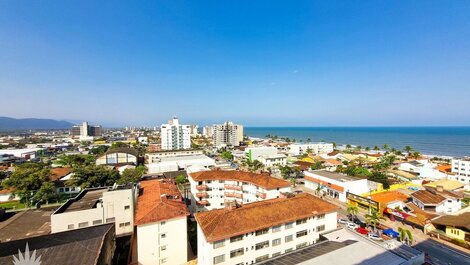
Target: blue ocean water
446,141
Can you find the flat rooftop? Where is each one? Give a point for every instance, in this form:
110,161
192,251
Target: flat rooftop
333,175
185,157
87,201
25,224
345,248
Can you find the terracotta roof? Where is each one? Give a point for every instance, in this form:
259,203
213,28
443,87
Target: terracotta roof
225,223
428,197
324,183
261,180
444,168
333,161
59,172
303,164
333,153
6,191
460,221
159,200
421,215
389,196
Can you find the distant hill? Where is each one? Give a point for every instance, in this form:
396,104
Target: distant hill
31,123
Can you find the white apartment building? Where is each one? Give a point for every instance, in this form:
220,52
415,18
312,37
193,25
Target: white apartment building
461,170
316,148
227,134
253,153
155,157
335,184
176,163
423,168
273,161
97,206
161,224
207,131
175,136
259,231
437,200
219,188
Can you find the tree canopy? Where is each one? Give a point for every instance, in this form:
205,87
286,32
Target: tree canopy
93,176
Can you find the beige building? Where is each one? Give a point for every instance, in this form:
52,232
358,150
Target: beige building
227,134
119,156
161,224
97,206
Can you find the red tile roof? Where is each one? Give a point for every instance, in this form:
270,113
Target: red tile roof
261,180
444,168
324,183
159,200
428,197
389,196
225,223
59,172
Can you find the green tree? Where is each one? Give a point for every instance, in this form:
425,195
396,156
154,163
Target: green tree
99,150
352,210
405,236
27,180
180,179
386,147
408,149
309,150
46,193
227,155
376,148
367,149
93,176
334,145
317,165
131,175
373,218
348,146
119,145
75,160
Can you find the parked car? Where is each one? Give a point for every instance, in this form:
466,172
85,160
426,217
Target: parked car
374,237
363,231
352,225
358,222
390,232
342,221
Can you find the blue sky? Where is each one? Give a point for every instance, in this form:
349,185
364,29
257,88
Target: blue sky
262,63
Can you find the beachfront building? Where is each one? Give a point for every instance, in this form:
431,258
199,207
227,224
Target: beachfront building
161,224
175,136
336,185
461,170
262,230
437,200
227,134
273,161
423,168
219,188
95,206
253,153
315,148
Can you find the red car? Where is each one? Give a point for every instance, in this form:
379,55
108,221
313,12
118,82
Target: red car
363,231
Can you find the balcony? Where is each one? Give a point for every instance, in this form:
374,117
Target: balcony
201,187
202,195
203,202
261,195
233,187
233,195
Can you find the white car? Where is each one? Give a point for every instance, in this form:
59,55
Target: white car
352,226
342,221
374,237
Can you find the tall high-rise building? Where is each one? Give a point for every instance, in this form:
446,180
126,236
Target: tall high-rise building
227,134
175,136
85,130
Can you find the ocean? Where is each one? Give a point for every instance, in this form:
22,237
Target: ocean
442,141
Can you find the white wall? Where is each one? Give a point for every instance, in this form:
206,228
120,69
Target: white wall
152,248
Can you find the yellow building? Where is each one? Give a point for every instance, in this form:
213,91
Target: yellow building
454,226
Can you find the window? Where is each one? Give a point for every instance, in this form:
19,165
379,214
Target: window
97,222
262,245
237,252
301,221
219,244
163,260
162,223
110,220
302,233
276,242
288,250
262,231
221,181
276,254
320,228
163,235
302,245
127,207
163,248
219,259
236,238
276,228
70,226
289,238
261,258
121,224
289,225
84,224
321,216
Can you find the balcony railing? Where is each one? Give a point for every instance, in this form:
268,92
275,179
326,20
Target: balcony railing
201,187
233,195
261,195
232,187
202,195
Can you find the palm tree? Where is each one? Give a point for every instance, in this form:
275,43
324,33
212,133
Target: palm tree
348,146
293,181
405,236
367,149
334,145
386,146
358,148
352,210
373,218
376,148
408,149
